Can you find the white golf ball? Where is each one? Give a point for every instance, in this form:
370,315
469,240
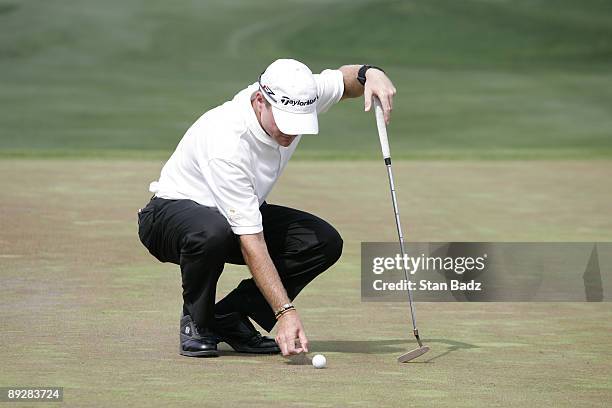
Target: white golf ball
319,361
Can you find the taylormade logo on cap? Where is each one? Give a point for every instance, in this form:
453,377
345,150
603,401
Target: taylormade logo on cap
291,89
286,101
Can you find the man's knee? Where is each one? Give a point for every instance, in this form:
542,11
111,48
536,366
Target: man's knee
331,243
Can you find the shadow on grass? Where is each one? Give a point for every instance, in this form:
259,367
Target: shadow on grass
445,347
439,348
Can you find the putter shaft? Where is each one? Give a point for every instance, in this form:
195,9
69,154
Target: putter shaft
384,144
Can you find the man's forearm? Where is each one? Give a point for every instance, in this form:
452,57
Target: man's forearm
352,87
256,256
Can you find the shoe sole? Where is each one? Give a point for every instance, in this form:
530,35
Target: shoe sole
205,353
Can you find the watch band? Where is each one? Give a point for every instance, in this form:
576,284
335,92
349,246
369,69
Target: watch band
361,74
284,308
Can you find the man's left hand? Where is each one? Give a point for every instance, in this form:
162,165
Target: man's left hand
378,84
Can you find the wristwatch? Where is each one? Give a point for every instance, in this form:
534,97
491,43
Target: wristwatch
361,74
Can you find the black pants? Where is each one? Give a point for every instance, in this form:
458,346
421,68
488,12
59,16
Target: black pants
200,240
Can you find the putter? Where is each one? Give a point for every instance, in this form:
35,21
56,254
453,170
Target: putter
384,144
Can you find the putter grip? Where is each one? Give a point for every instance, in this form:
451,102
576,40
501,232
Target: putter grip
382,128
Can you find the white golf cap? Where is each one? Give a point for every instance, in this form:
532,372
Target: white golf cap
291,89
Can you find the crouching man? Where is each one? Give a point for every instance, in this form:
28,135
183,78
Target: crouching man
209,208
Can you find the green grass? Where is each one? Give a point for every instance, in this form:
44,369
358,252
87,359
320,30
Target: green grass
476,78
83,305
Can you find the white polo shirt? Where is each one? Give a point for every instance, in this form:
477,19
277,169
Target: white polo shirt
226,160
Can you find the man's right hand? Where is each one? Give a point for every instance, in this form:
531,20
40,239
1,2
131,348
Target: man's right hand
289,330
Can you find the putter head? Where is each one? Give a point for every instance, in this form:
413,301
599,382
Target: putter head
411,355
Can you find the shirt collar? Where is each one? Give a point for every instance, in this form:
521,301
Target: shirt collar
252,122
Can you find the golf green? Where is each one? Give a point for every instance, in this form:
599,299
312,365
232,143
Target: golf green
84,306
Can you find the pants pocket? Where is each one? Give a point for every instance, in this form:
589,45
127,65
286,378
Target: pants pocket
145,225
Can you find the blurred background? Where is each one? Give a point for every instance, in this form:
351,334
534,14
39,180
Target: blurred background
476,78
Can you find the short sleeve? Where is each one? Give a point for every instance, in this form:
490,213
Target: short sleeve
235,197
330,88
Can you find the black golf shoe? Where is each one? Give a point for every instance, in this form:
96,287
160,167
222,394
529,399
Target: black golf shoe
192,344
237,330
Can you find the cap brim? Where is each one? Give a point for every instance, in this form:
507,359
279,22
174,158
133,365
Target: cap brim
296,123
